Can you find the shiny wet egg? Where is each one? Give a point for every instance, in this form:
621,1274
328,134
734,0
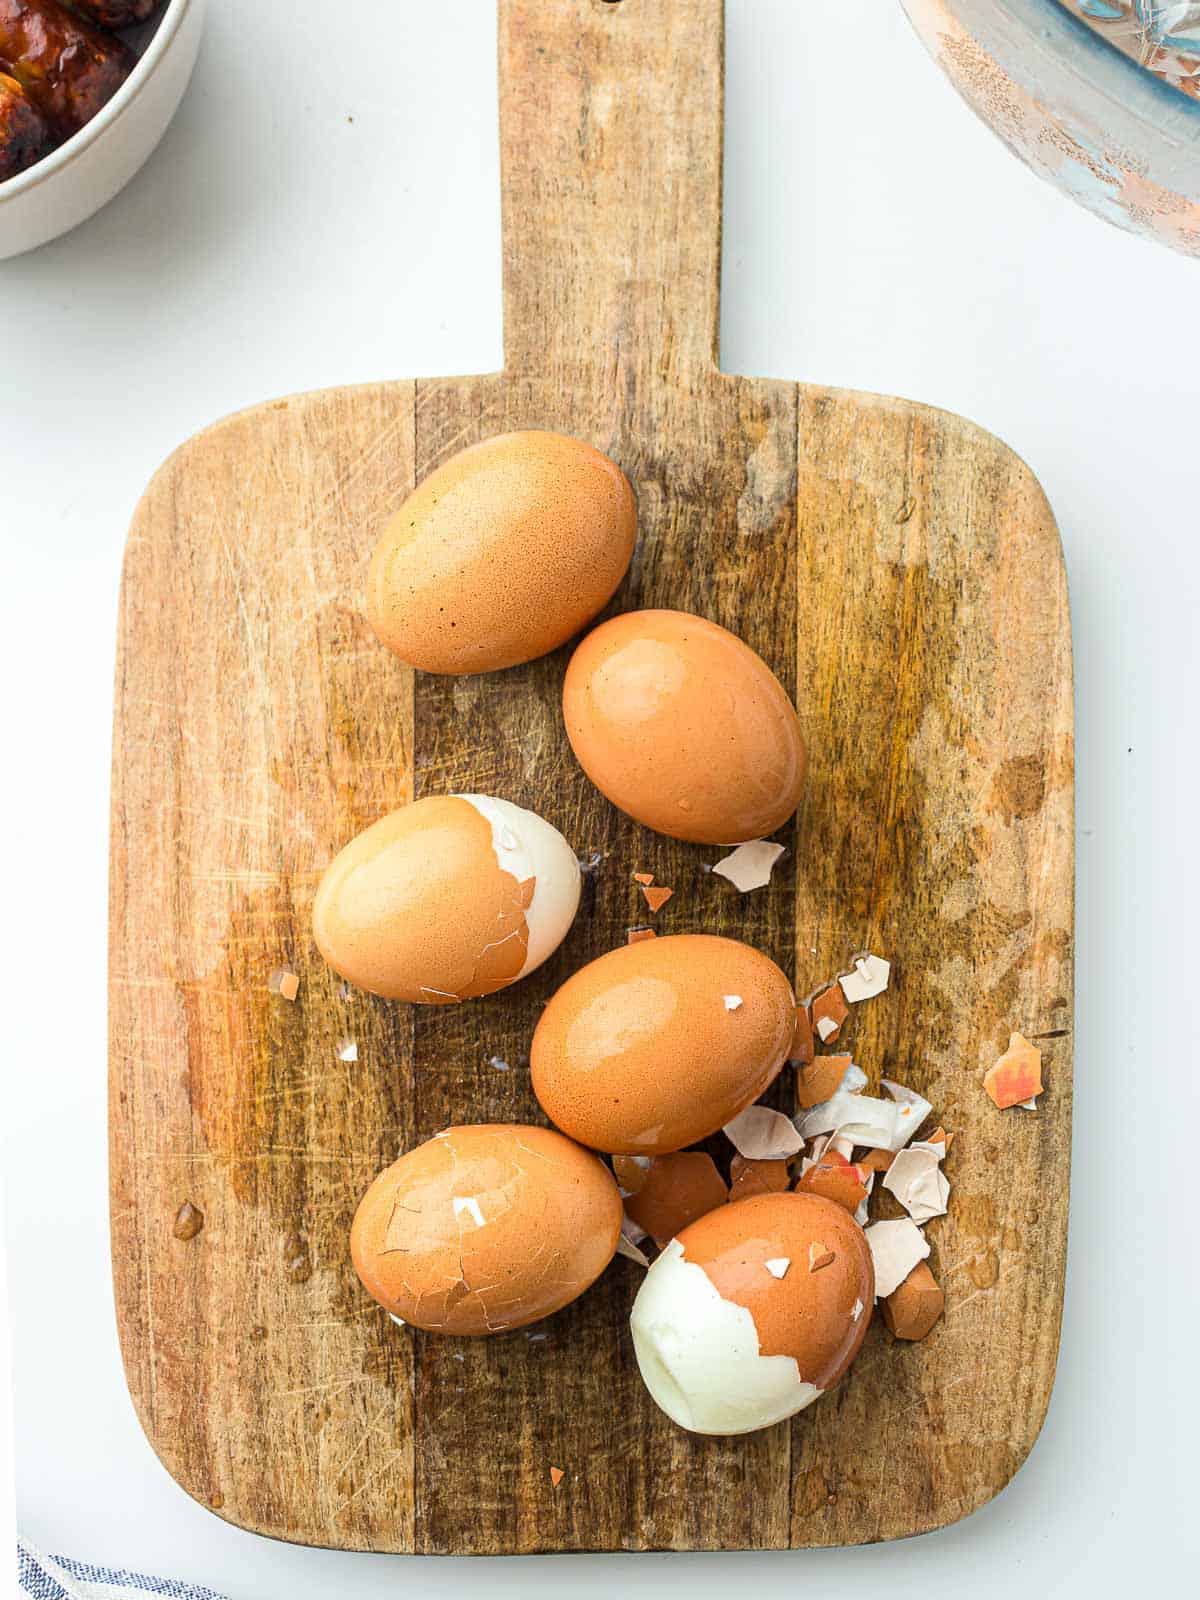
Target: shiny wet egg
680,724
658,1044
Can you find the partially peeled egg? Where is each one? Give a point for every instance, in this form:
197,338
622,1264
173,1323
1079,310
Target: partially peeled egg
753,1312
447,899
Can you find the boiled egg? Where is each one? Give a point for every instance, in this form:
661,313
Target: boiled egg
753,1312
486,1228
686,729
640,1053
449,898
502,553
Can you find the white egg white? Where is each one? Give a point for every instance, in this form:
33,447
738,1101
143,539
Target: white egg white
528,847
699,1354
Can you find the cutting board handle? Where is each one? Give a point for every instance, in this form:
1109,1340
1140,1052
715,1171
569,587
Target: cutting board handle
610,141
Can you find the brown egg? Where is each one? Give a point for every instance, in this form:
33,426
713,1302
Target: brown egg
502,553
684,728
641,1052
753,1312
452,897
486,1228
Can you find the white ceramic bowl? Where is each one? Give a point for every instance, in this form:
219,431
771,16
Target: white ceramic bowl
64,189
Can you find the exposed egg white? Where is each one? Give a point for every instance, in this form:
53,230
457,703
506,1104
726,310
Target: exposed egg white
528,847
698,1354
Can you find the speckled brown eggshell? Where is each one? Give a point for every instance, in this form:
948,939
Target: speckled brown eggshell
486,1228
638,1053
806,1315
502,554
686,729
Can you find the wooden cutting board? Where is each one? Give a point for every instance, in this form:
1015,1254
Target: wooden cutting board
897,567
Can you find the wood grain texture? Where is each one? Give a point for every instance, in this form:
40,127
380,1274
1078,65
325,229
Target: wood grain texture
901,572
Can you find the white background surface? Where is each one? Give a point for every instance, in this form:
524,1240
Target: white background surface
877,237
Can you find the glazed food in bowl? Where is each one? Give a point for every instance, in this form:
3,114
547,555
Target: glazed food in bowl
87,90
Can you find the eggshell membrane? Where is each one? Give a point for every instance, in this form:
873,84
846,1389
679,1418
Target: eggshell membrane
806,1315
502,554
638,1054
686,729
418,906
536,1222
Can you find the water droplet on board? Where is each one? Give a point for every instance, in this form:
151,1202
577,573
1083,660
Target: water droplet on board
189,1220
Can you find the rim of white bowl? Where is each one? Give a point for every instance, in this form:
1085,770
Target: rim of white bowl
44,170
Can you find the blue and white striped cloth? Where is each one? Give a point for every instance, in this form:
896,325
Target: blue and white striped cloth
60,1578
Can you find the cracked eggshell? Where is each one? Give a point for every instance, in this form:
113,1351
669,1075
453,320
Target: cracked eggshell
638,1054
486,1228
725,1344
452,897
502,554
686,729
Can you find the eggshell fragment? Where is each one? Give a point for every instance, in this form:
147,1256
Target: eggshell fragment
747,1177
917,1181
862,1118
628,1245
834,1178
870,978
911,1310
684,728
639,935
724,1343
644,878
829,1011
631,1172
1017,1075
678,1189
896,1247
637,1052
449,898
656,899
750,866
914,1108
486,1228
501,554
556,1476
801,1052
877,1160
761,1134
820,1080
284,983
778,1266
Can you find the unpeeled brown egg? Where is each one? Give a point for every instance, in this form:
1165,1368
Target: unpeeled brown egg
680,724
502,553
449,898
641,1052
